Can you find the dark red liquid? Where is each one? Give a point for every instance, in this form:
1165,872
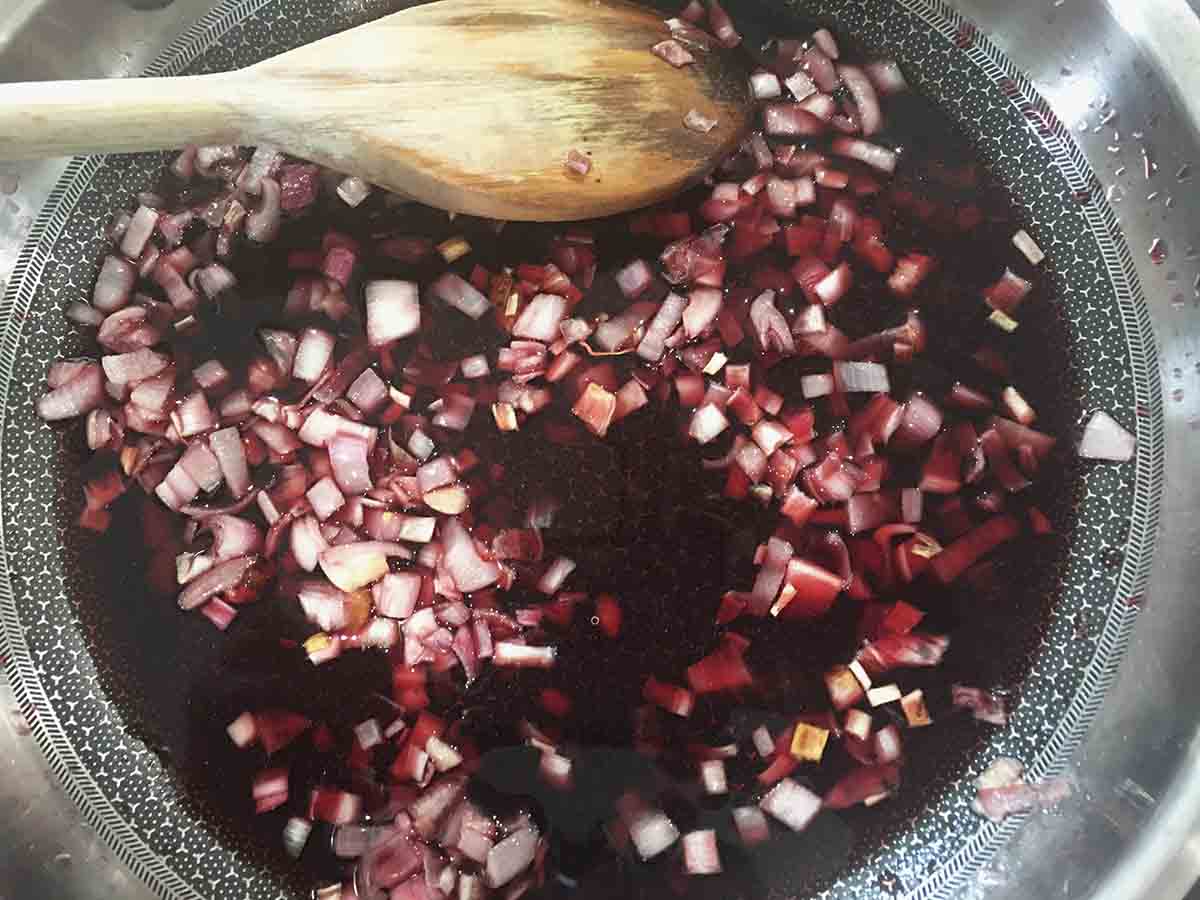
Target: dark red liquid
644,521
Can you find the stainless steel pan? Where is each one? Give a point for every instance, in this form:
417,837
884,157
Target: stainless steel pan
1130,833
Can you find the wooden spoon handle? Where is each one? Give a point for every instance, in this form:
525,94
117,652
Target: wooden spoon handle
61,118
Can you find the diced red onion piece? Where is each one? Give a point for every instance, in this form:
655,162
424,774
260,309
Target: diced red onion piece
661,327
540,318
857,724
202,466
84,314
810,320
866,101
82,393
233,536
462,560
911,504
707,422
919,424
830,289
353,566
630,398
751,825
130,368
712,776
634,279
887,744
824,107
596,408
792,804
613,333
114,284
873,155
556,769
351,842
335,807
295,836
693,12
242,730
701,311
861,377
894,651
1104,439
138,232
770,576
887,77
353,190
999,803
556,573
765,85
474,366
700,855
321,427
770,327
808,590
509,858
652,833
826,41
862,784
193,415
781,196
763,742
1017,406
460,294
180,294
220,578
348,456
1016,435
791,120
510,653
102,429
1007,293
865,512
436,473
722,670
449,500
129,329
393,311
578,162
155,394
984,706
1032,252
801,86
675,700
270,789
397,594
820,385
307,544
313,355
325,498
1001,772
177,489
673,52
211,376
214,279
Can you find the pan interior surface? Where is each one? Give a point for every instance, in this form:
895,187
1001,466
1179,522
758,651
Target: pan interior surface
129,699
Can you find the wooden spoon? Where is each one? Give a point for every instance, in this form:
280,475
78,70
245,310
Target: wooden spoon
468,105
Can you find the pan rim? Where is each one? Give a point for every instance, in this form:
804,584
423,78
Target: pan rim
149,865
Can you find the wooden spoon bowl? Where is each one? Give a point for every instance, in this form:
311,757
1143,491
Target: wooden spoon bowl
469,105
